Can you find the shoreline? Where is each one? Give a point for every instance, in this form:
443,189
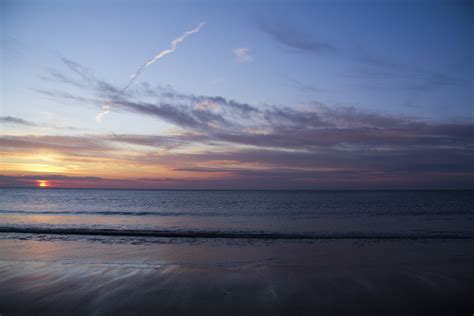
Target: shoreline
223,234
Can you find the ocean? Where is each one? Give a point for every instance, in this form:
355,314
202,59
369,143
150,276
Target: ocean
145,252
313,214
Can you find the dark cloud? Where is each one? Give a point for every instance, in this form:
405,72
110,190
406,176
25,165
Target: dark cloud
94,145
271,179
82,77
158,141
367,68
22,122
360,155
15,120
52,177
296,39
170,93
65,144
270,144
216,119
63,95
63,181
306,88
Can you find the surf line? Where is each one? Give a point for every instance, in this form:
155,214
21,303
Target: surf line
218,234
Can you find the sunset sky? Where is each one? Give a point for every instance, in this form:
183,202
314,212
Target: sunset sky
257,94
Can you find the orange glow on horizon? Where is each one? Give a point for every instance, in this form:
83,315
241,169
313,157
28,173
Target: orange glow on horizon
42,183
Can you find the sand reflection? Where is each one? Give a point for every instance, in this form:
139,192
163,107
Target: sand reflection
104,277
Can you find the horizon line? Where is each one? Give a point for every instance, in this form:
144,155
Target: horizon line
289,190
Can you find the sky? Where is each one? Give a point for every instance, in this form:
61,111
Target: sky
237,94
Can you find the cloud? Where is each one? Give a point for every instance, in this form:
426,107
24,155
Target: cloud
305,88
230,121
322,167
242,54
64,144
297,40
318,147
92,144
414,149
63,181
364,66
261,179
22,122
15,120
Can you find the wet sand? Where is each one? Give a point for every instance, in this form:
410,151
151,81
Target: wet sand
122,275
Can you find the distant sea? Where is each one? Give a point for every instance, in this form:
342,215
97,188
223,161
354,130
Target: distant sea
260,214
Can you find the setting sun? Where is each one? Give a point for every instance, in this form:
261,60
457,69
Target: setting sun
42,183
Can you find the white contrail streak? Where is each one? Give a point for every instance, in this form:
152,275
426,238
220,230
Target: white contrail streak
161,54
174,44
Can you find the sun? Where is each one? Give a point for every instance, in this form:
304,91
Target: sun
42,183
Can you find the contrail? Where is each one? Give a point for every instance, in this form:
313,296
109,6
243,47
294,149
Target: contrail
174,44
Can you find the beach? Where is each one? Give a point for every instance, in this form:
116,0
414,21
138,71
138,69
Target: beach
93,275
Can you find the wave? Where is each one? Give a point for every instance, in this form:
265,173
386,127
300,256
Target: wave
223,234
